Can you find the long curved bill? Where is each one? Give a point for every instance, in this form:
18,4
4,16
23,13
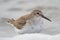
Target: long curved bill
45,18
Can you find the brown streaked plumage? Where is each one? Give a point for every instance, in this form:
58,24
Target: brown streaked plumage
20,22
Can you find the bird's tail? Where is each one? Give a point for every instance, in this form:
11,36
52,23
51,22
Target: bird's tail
7,20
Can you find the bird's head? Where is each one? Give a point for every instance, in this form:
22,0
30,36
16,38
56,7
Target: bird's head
39,13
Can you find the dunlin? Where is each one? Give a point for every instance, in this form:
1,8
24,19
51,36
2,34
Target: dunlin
29,23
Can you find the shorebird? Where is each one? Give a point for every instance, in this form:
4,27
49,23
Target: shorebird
32,20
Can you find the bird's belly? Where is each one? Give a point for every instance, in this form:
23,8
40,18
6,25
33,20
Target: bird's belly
37,25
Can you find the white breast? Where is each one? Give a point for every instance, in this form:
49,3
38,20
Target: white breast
35,27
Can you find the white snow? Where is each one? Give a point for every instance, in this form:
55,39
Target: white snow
55,37
32,37
36,37
17,8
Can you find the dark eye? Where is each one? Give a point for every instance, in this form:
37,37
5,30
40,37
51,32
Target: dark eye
37,13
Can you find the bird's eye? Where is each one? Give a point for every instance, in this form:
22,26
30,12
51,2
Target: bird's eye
37,13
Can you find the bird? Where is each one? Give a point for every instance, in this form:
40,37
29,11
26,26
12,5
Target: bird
28,23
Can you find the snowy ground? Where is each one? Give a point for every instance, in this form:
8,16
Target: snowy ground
17,8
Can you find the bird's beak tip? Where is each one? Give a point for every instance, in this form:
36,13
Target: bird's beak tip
45,18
